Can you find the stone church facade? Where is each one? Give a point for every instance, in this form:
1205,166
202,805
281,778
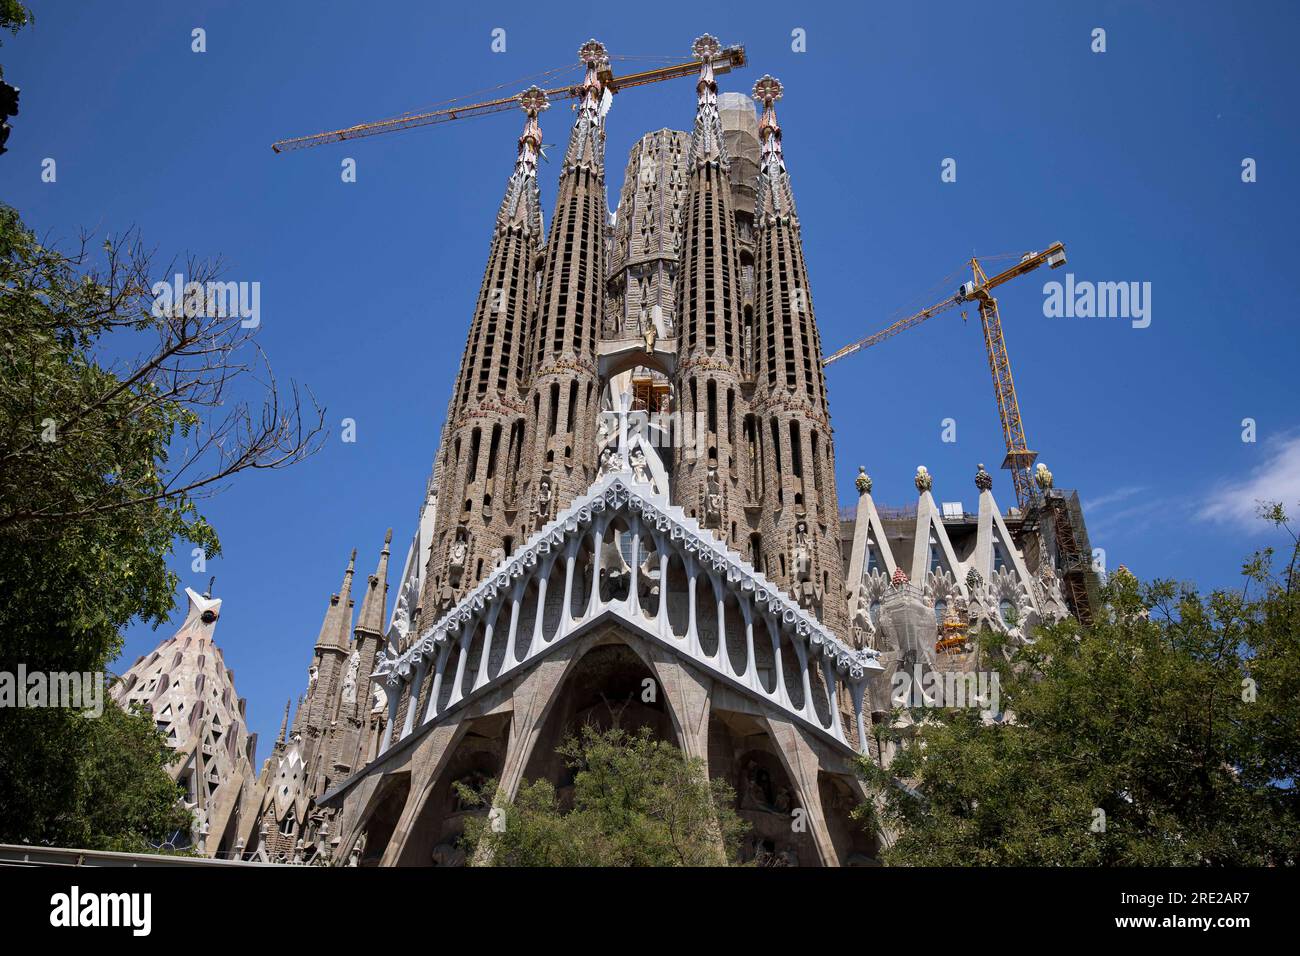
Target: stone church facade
636,487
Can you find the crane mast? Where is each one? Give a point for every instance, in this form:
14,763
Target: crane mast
1019,459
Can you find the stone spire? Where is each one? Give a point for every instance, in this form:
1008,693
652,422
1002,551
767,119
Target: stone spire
371,619
284,724
483,437
711,476
346,743
564,396
800,515
336,628
587,142
775,197
522,206
329,659
707,144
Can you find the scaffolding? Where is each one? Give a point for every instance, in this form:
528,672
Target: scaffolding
1058,514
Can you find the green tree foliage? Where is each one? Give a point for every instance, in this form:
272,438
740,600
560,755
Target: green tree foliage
97,783
1167,733
637,801
114,422
83,531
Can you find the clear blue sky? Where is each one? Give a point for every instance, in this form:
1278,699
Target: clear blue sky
1131,157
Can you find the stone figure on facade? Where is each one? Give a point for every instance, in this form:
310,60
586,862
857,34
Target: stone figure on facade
806,588
457,554
350,679
640,466
758,787
545,501
402,612
712,499
611,462
861,629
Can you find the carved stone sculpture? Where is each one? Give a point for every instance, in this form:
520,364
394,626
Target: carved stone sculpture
350,679
712,499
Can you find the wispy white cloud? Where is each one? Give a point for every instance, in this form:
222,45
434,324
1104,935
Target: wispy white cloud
1112,498
1236,501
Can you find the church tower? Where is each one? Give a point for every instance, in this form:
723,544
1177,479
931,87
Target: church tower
190,693
643,250
564,400
709,473
483,440
329,661
358,718
800,516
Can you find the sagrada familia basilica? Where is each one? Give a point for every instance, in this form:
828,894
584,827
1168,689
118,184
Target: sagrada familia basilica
635,489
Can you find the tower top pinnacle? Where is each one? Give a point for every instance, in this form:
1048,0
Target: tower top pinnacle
707,145
533,100
335,629
586,143
775,198
521,206
706,47
371,618
593,53
767,91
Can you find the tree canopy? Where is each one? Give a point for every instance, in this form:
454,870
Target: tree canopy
116,418
637,801
1166,733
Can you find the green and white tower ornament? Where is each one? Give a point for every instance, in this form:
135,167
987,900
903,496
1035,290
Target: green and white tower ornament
1042,477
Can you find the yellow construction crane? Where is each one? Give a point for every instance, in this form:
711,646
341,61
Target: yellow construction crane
728,59
1019,458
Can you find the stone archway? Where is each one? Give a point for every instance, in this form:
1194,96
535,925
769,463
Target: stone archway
606,687
381,821
743,753
435,832
855,844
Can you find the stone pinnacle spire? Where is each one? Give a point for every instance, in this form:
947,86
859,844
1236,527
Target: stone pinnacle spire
800,508
483,438
522,206
587,143
284,724
338,617
707,144
775,197
563,379
371,618
710,472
